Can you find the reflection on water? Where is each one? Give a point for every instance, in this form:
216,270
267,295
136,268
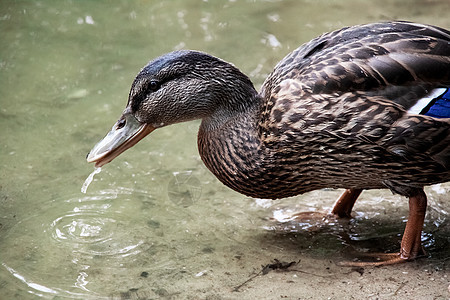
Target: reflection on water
37,289
155,223
377,221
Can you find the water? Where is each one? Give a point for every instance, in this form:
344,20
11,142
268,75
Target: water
155,223
89,179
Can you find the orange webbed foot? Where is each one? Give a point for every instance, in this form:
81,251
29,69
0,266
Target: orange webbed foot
411,246
380,259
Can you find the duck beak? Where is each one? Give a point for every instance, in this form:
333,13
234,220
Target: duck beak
123,135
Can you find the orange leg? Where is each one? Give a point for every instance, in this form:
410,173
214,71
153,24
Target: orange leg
411,246
343,206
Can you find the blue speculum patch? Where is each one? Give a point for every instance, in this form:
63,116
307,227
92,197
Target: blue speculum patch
439,107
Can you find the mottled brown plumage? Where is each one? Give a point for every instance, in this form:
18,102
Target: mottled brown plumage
332,114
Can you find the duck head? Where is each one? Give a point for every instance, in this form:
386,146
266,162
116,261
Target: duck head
176,87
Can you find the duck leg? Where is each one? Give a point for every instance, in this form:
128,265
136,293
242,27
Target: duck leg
343,206
411,246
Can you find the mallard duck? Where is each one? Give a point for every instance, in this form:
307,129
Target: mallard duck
363,107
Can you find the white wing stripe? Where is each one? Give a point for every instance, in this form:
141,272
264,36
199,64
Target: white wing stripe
423,102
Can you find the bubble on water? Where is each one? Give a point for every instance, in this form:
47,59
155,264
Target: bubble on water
184,188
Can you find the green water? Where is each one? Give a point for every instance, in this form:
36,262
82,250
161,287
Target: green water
155,223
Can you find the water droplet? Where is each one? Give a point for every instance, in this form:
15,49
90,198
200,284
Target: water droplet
89,179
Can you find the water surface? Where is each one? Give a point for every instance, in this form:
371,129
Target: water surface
155,223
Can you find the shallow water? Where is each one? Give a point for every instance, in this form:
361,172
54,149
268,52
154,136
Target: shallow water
155,223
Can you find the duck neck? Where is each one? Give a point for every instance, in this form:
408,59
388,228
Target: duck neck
230,147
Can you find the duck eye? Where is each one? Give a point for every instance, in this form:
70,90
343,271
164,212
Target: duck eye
153,85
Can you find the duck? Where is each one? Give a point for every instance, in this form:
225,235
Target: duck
362,107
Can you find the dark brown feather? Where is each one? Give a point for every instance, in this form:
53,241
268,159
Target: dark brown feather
334,114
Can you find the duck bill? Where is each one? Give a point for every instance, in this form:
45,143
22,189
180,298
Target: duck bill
123,135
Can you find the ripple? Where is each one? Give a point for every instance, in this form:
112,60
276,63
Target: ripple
93,226
81,228
73,236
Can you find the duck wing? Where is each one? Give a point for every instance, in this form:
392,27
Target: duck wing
358,83
380,59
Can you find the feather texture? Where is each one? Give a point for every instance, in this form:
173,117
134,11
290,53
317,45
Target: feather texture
335,114
363,107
